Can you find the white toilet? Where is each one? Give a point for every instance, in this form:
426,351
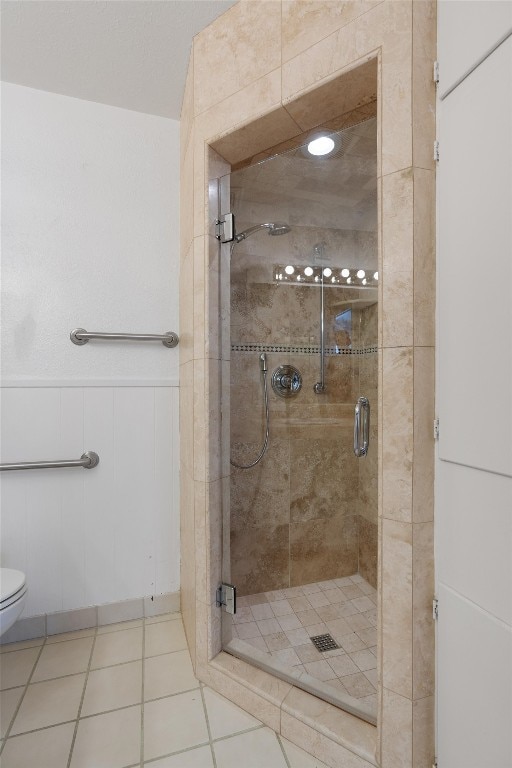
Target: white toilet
13,589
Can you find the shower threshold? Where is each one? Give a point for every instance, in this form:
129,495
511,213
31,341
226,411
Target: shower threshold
274,631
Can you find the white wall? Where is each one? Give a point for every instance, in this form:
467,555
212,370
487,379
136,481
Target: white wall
90,200
474,464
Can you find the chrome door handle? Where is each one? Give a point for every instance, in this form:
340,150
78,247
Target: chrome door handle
362,427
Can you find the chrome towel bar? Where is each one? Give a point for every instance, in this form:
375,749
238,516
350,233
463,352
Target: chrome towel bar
87,460
80,336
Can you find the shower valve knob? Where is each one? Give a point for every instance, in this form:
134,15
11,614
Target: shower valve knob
286,381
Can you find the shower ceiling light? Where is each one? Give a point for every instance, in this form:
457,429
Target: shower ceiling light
322,145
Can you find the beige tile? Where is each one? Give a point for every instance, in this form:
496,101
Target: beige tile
319,669
168,674
45,749
281,607
224,717
396,275
397,734
328,731
248,748
307,22
396,96
423,87
15,667
423,649
251,104
120,625
397,417
244,44
351,643
96,746
9,700
185,712
187,436
48,703
261,692
250,140
338,628
423,744
112,688
61,659
199,299
22,645
423,467
117,647
364,659
165,637
288,622
345,95
186,220
397,627
77,635
308,618
200,757
342,665
298,758
424,258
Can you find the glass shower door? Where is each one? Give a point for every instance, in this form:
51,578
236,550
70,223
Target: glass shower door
300,512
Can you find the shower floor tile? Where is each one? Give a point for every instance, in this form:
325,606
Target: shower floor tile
345,608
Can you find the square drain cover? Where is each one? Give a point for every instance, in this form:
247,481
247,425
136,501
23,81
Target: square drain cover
324,643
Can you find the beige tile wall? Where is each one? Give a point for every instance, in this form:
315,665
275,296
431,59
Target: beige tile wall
300,60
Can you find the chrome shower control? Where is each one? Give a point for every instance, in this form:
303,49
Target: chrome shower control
286,381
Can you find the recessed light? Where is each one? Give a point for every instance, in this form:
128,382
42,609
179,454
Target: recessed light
361,273
289,269
327,272
345,272
308,271
322,145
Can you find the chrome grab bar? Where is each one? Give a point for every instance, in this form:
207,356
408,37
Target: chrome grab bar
87,460
80,336
362,426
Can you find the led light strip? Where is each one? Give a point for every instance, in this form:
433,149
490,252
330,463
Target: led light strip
332,276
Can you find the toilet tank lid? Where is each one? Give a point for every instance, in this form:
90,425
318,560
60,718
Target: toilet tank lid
11,581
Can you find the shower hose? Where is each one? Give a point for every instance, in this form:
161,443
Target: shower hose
263,363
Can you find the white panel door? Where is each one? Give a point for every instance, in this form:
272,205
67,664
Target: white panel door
474,388
475,267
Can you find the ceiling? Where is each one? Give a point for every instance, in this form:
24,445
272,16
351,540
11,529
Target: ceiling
126,53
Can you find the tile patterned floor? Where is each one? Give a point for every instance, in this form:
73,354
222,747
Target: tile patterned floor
125,696
282,622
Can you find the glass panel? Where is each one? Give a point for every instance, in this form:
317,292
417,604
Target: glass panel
302,549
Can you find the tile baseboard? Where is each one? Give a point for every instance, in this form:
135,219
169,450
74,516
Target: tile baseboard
92,616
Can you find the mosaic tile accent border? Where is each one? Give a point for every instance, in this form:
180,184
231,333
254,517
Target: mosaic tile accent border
302,350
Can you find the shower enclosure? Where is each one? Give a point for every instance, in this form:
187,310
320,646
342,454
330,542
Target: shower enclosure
300,510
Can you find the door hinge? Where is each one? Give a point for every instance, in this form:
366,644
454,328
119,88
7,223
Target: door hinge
436,72
436,429
225,228
435,609
436,151
226,596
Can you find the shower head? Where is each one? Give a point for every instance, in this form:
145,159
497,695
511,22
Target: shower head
274,228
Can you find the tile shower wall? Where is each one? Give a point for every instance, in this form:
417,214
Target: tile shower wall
308,511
